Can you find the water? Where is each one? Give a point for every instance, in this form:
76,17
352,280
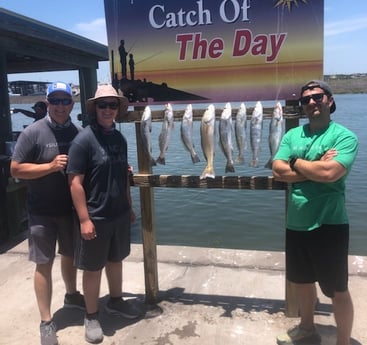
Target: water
238,219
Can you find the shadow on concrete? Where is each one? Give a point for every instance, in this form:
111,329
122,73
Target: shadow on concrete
328,333
231,303
13,242
68,317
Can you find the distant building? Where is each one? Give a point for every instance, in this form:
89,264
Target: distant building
27,88
34,88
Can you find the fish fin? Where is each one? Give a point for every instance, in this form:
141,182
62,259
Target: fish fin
240,160
208,172
161,160
229,168
254,163
269,164
195,158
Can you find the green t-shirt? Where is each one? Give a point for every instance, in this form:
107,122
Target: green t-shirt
312,204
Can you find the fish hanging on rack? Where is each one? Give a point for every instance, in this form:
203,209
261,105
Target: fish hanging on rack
225,136
256,126
240,133
187,133
275,133
207,131
166,132
145,133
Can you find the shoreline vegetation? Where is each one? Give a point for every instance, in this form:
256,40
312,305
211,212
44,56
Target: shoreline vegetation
340,84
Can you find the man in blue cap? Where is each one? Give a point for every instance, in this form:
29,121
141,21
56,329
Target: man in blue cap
40,159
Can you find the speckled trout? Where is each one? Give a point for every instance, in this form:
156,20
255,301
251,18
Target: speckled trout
207,131
166,132
225,136
275,133
145,131
187,133
240,132
256,126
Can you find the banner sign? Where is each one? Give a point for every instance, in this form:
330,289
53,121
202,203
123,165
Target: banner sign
204,51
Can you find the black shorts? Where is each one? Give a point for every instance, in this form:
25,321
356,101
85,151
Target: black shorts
320,255
111,244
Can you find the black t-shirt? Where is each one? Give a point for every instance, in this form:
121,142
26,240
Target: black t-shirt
102,158
41,143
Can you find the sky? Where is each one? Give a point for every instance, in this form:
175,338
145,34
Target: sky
345,30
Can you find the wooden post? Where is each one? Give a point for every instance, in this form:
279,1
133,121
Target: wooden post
291,303
148,225
146,182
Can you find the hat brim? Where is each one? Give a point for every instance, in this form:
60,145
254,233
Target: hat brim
333,107
123,101
322,85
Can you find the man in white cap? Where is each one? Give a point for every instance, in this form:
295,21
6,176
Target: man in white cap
315,159
40,159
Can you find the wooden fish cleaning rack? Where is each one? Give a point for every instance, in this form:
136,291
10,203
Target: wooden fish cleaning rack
146,181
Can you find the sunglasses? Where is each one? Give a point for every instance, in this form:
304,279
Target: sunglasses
317,97
57,101
104,105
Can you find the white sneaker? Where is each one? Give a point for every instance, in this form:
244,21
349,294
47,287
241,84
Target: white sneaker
93,331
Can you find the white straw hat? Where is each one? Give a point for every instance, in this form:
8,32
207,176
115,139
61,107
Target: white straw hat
107,91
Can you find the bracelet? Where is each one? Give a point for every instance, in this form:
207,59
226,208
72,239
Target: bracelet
291,162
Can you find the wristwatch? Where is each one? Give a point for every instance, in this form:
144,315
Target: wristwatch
291,163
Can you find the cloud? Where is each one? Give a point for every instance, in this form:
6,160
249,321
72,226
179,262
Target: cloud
94,30
345,26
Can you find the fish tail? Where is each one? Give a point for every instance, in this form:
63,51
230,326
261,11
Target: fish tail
240,159
269,164
195,158
161,160
208,172
229,167
254,163
152,162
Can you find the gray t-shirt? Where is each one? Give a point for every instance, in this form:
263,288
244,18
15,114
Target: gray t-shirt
41,142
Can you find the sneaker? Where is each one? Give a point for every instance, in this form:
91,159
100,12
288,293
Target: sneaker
74,300
122,308
93,331
48,333
298,336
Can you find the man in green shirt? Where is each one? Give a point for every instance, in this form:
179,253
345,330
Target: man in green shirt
315,159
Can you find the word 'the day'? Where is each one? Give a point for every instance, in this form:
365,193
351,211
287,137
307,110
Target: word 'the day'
194,47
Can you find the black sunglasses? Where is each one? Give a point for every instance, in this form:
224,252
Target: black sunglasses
57,101
317,97
104,105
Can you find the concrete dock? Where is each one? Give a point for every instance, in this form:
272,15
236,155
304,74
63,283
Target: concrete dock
206,296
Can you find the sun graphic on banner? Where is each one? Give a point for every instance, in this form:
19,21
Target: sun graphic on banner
289,3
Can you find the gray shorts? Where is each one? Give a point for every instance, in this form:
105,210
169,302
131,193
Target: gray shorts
44,232
111,244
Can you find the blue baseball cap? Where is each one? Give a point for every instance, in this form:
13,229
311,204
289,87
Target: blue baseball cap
59,86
